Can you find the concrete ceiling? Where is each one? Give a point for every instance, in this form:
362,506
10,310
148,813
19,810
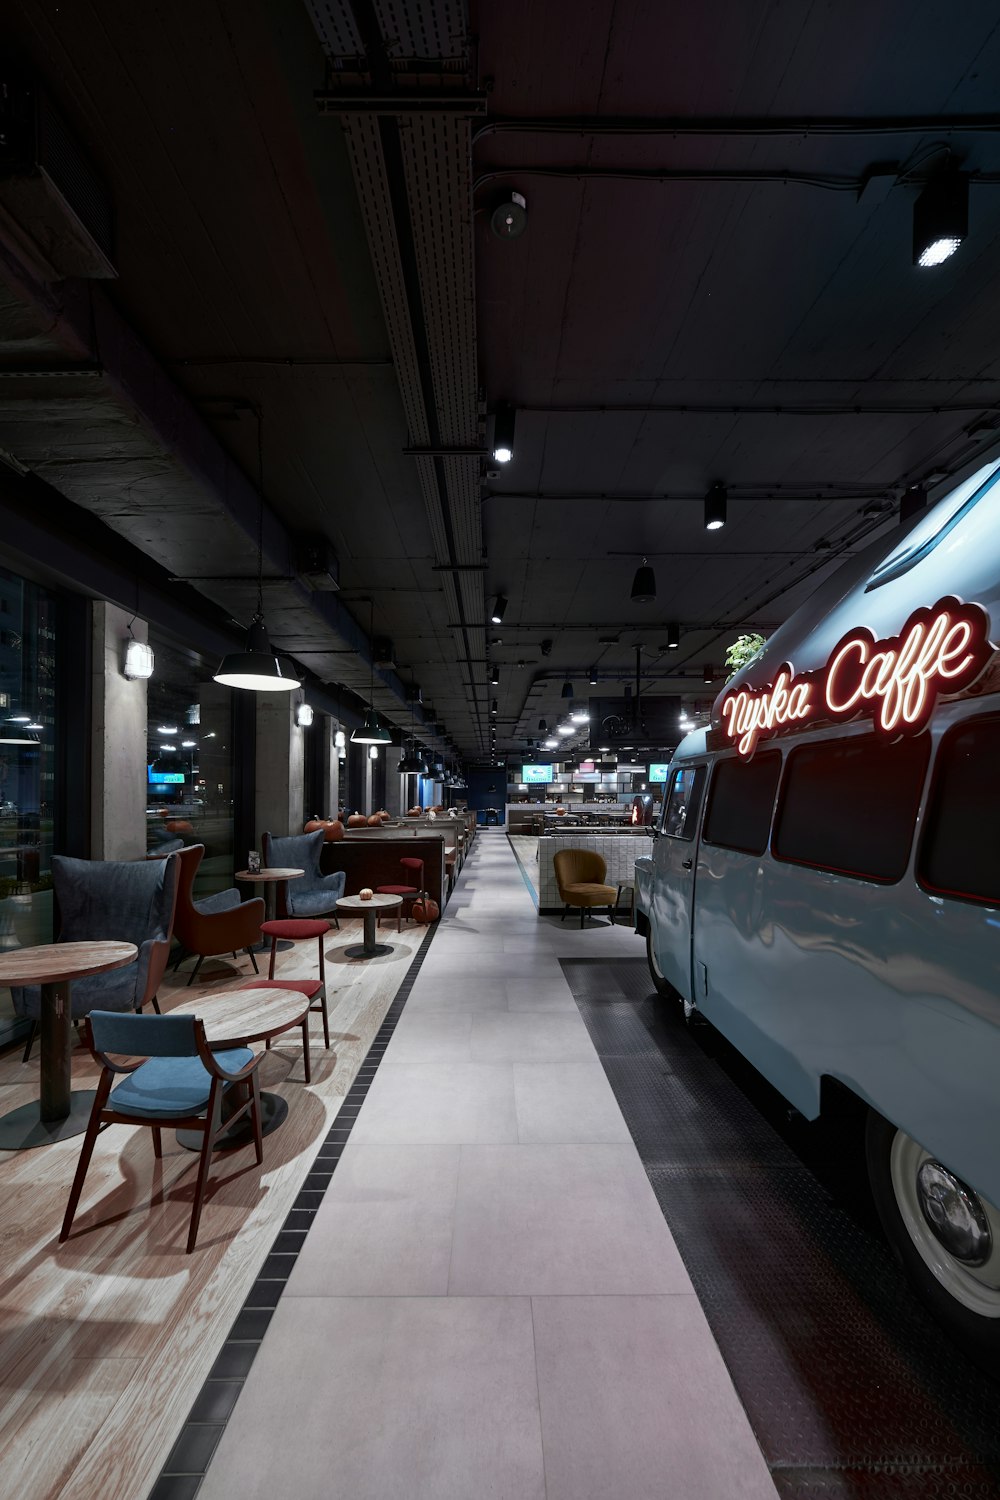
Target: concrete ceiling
714,284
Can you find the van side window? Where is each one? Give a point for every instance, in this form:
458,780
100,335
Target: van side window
680,809
960,849
850,806
740,800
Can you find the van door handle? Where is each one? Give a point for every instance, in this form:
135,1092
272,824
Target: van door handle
685,864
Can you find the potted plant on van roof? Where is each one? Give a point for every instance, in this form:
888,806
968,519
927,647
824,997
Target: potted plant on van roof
745,649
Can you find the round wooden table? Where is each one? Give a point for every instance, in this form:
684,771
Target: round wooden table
353,906
270,877
237,1019
59,1113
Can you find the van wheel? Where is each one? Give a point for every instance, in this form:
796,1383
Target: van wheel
660,984
946,1237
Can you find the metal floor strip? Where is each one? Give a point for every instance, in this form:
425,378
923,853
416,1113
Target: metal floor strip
853,1391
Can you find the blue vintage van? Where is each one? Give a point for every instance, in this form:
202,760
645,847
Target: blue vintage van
825,882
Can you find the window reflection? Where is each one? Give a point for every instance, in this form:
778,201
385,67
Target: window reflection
189,762
28,727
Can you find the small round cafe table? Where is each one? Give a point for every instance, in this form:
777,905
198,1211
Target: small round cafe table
270,877
353,906
238,1018
59,1113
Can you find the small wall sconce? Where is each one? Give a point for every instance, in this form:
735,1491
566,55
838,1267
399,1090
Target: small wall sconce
373,752
138,660
304,715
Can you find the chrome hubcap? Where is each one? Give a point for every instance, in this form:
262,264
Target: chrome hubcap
954,1214
955,1232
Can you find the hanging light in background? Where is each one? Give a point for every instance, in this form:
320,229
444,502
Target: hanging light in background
708,675
14,733
495,677
503,432
912,502
673,636
567,690
499,609
372,731
593,676
257,668
643,585
715,506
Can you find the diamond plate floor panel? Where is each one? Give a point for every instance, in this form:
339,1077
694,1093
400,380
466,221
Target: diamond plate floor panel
853,1391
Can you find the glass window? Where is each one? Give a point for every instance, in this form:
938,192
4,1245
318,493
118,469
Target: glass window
680,812
29,726
190,762
960,849
740,800
850,806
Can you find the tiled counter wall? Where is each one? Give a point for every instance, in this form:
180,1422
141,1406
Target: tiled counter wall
619,851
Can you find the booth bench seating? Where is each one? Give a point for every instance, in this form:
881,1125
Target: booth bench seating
375,861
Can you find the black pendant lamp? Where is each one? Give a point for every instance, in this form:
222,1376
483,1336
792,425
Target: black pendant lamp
412,762
643,585
372,731
258,667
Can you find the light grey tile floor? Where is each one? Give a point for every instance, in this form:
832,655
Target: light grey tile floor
489,1278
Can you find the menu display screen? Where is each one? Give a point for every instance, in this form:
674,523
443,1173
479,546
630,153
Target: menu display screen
658,772
536,774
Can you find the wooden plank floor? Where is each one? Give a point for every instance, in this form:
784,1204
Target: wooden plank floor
105,1341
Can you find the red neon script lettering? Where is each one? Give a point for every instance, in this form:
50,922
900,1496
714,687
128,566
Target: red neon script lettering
895,681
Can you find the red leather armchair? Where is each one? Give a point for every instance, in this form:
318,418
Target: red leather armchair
221,923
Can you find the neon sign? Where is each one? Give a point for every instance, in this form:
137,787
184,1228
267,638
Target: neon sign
895,682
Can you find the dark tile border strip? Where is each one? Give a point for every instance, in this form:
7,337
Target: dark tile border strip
188,1460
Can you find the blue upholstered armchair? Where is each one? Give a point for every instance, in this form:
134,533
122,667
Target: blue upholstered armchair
314,894
120,900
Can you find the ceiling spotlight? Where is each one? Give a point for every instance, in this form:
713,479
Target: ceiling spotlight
708,675
495,677
503,432
545,647
543,727
593,676
499,609
510,217
715,507
940,218
567,690
643,585
673,637
493,706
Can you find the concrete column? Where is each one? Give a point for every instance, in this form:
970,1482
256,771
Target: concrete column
395,784
118,749
329,766
279,785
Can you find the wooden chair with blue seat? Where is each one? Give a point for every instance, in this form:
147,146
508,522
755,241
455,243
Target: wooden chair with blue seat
131,901
178,1082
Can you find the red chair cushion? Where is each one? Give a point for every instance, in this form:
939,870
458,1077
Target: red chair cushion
295,927
306,987
396,890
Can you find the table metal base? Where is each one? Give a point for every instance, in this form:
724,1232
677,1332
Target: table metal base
22,1129
362,950
273,1112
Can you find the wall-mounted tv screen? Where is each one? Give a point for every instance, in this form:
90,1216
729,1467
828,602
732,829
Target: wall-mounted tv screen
536,774
658,772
